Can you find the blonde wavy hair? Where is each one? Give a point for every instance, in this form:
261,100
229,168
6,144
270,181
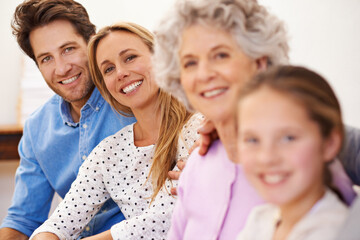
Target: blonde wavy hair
173,114
258,33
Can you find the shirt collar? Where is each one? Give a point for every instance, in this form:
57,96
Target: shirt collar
95,102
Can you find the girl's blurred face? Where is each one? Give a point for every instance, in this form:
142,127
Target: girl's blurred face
281,148
213,68
124,61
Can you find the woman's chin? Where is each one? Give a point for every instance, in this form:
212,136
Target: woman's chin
219,115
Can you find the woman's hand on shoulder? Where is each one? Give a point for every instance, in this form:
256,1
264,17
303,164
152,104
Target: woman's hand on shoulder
208,135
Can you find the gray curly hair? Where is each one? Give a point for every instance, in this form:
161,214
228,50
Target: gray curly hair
259,34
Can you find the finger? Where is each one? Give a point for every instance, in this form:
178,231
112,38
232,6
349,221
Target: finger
205,141
173,191
181,164
207,127
203,149
174,175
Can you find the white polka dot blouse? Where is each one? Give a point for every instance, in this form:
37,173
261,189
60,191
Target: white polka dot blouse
117,169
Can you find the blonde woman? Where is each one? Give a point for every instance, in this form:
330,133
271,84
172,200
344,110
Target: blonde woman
131,166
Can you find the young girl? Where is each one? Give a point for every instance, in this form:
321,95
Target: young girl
290,128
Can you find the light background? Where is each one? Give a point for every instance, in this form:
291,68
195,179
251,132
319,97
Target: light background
324,35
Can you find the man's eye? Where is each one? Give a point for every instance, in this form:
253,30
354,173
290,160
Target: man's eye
68,49
46,59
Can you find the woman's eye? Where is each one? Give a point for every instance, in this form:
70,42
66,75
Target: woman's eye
221,55
128,59
108,69
189,64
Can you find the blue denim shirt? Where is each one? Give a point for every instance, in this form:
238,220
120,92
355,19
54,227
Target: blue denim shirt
51,150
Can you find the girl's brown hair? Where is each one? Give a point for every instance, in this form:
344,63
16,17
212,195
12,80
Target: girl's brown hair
173,114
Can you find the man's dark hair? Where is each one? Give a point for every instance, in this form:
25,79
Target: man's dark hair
36,13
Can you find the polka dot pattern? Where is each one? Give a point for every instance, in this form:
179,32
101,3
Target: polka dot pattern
118,169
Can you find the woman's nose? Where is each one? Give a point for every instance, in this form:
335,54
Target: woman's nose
205,72
122,72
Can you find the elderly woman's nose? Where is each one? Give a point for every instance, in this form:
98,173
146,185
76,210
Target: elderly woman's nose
205,71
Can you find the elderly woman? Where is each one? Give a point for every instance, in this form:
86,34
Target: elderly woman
221,45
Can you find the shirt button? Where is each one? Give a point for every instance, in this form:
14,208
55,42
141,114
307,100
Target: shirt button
84,157
97,108
84,125
87,228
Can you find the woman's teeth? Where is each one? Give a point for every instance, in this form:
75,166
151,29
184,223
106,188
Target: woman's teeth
214,92
70,80
132,87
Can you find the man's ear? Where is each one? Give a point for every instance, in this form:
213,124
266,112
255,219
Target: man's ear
332,145
262,63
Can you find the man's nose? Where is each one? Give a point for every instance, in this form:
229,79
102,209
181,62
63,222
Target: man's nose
62,67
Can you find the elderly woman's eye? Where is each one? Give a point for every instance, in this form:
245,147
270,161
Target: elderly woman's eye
189,64
221,55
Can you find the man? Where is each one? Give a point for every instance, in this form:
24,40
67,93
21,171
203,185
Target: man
58,136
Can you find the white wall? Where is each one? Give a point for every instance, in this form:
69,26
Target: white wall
10,66
325,36
144,12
